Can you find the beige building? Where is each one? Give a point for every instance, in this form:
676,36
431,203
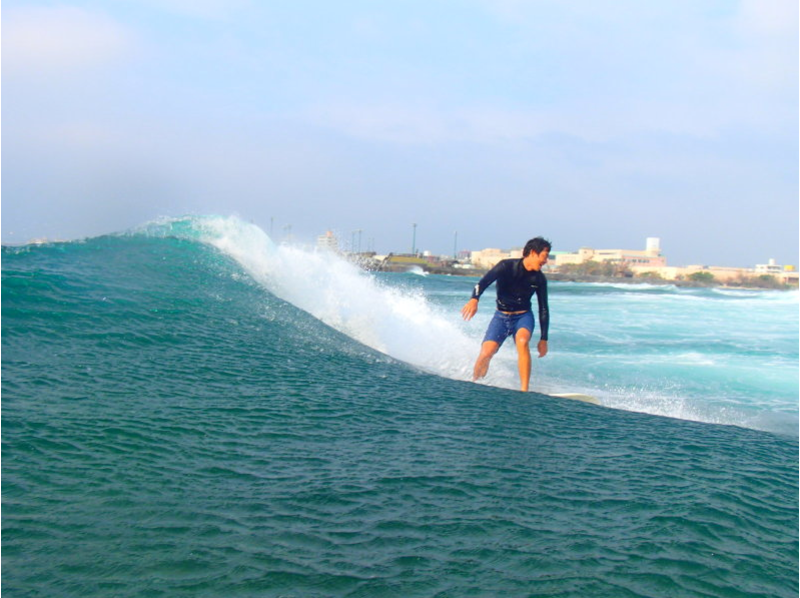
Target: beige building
487,258
789,275
649,258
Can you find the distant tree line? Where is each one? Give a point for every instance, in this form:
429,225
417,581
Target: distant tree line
622,270
764,281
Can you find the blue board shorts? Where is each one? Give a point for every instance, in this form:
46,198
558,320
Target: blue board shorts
504,325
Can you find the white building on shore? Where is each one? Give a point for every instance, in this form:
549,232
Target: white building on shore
650,258
328,241
487,258
770,268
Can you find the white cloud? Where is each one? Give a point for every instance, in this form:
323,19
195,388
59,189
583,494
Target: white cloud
47,40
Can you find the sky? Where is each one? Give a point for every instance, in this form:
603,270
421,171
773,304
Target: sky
439,124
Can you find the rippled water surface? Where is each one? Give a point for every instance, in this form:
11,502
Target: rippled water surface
178,421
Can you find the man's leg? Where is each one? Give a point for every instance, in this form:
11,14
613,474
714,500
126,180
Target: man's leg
488,349
523,342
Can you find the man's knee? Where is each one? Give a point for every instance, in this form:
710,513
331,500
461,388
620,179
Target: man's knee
523,339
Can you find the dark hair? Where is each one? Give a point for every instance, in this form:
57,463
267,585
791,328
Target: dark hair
537,245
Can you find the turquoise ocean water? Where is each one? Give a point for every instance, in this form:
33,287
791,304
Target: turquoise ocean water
192,410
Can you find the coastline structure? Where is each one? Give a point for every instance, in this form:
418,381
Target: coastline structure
328,242
649,263
587,263
648,259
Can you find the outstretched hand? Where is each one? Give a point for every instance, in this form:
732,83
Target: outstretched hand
542,348
469,309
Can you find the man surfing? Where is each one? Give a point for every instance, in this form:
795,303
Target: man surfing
517,281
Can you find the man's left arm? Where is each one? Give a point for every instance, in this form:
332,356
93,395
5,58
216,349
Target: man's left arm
544,316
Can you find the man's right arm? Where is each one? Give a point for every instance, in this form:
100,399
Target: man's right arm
471,307
487,280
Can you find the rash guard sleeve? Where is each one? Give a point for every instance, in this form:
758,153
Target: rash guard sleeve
487,280
544,309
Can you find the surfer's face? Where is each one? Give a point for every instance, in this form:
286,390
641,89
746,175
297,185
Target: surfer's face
541,258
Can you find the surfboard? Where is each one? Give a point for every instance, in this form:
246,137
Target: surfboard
577,397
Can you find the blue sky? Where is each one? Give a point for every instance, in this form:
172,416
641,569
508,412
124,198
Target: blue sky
592,122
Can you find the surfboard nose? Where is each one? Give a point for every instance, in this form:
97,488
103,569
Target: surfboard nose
578,397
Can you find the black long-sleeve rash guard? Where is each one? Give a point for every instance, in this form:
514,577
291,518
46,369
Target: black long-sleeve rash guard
515,288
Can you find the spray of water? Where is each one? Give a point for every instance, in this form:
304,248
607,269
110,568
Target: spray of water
399,322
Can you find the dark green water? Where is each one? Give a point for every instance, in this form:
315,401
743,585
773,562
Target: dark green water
170,428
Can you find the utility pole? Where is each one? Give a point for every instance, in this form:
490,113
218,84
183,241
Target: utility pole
455,245
414,240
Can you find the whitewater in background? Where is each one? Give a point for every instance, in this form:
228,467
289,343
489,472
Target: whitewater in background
712,355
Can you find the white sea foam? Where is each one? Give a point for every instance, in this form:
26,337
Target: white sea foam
401,323
416,270
689,354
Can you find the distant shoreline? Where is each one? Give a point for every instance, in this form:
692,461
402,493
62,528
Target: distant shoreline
555,276
561,277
